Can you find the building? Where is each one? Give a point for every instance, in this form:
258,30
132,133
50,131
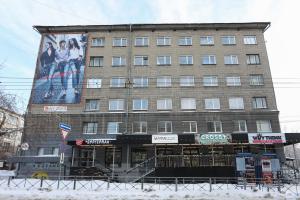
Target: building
152,99
11,128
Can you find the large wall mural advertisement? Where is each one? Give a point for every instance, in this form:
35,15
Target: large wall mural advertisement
60,69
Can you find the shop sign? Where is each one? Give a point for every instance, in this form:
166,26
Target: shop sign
164,139
55,108
266,138
80,142
213,138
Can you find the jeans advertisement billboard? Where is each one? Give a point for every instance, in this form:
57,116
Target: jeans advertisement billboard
60,69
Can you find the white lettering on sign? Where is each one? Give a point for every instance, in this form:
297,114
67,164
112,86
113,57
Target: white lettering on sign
266,138
55,108
98,141
164,139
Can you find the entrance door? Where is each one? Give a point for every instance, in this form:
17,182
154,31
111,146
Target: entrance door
167,157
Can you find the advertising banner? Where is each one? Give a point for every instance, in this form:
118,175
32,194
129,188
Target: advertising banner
213,138
165,139
266,138
60,69
80,142
55,108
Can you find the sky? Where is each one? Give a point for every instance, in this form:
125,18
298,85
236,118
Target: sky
19,43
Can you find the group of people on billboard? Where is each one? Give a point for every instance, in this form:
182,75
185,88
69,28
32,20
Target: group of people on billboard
61,59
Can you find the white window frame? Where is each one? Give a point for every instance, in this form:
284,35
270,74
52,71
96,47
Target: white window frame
230,40
259,102
121,61
165,123
256,79
260,123
140,125
165,60
99,59
87,128
143,80
186,60
119,104
40,151
236,103
233,81
253,59
207,40
185,41
98,42
143,104
250,39
145,41
116,130
237,124
166,41
121,82
191,102
187,81
93,83
210,81
190,124
145,60
232,59
165,102
88,104
212,104
122,42
210,58
215,126
164,81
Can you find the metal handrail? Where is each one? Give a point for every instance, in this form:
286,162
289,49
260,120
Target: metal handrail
140,164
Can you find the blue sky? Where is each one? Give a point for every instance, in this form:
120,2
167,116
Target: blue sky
19,42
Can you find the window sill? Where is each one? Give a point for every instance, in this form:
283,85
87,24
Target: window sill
96,66
231,64
207,44
101,46
119,46
163,65
184,45
229,44
118,66
214,64
141,45
141,65
186,64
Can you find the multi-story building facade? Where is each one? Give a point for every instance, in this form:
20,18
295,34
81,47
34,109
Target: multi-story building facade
169,96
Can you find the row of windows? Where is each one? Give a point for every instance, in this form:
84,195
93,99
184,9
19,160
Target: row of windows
167,41
185,103
239,126
166,81
166,60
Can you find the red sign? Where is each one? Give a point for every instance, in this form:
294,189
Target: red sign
79,142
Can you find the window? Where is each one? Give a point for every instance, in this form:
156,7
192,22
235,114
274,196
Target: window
189,126
188,103
228,40
231,60
187,81
214,127
98,42
96,61
206,40
256,79
210,81
185,41
164,127
113,127
90,127
119,42
40,151
163,41
263,126
164,104
253,59
240,126
236,103
116,104
139,127
213,103
140,82
163,60
92,104
250,39
141,60
186,60
117,82
233,81
140,104
94,83
209,60
164,81
118,61
259,102
55,151
141,41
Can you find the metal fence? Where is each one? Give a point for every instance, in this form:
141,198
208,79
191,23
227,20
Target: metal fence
151,184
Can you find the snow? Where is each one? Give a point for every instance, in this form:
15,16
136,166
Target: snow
29,189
